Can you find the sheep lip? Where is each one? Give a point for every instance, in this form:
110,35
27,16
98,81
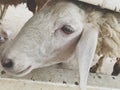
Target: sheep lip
25,70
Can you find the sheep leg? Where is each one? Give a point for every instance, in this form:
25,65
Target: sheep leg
85,52
97,66
116,68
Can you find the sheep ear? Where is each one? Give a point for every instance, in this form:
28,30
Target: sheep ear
85,51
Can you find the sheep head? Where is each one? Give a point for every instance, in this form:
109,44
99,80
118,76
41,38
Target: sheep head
49,37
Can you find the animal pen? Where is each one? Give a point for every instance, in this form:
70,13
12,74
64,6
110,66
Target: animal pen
62,76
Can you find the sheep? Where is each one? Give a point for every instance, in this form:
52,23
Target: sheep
63,28
3,36
108,41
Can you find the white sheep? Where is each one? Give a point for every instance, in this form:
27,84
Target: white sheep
109,36
59,30
3,35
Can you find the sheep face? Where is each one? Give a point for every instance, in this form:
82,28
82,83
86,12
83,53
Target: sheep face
49,37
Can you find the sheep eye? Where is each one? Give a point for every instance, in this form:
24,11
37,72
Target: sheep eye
1,38
67,29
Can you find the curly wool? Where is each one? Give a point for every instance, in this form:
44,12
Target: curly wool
109,34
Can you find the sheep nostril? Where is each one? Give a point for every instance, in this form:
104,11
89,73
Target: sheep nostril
7,63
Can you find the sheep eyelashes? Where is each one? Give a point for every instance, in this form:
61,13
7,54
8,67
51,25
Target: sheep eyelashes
67,29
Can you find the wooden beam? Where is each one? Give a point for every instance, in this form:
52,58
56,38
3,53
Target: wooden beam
108,4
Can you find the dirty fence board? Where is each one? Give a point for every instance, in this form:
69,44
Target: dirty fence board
108,4
17,84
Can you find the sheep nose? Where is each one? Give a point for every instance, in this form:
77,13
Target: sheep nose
7,63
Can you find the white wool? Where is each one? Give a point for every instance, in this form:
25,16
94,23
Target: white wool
109,34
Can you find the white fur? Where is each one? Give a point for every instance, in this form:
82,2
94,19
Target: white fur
41,42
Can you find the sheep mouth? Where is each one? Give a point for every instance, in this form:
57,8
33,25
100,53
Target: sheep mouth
24,71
